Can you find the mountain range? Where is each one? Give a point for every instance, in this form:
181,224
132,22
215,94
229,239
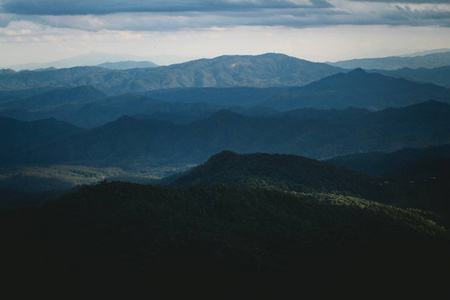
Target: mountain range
357,89
433,60
88,107
88,59
132,143
287,177
439,76
265,70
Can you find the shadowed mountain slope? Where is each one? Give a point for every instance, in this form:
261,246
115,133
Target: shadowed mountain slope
378,163
357,89
277,171
130,143
47,101
439,76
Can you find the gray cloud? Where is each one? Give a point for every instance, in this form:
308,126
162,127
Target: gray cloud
407,1
173,15
103,7
414,17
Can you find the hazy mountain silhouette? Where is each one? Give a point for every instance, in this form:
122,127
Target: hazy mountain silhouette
357,89
433,60
265,70
439,76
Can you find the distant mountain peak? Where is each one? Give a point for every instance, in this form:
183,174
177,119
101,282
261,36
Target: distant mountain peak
358,71
225,154
266,70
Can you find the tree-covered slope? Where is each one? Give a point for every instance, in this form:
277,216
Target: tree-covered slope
17,137
378,163
417,178
208,240
278,171
131,143
258,71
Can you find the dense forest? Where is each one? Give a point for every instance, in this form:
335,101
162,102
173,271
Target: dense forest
221,239
254,223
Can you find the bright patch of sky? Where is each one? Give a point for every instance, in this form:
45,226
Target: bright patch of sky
317,30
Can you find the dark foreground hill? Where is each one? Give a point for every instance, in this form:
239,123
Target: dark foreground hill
379,163
221,241
416,177
278,171
421,183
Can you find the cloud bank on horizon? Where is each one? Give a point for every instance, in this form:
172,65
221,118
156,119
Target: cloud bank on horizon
161,15
59,20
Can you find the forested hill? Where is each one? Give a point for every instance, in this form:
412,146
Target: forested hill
161,241
265,70
131,143
379,163
278,171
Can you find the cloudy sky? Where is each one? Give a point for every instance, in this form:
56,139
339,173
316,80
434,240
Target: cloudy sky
317,30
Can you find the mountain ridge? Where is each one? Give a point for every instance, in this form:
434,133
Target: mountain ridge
357,88
433,60
237,70
129,142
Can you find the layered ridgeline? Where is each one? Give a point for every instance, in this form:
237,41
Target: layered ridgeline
439,76
265,70
257,239
86,106
132,143
357,88
433,60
